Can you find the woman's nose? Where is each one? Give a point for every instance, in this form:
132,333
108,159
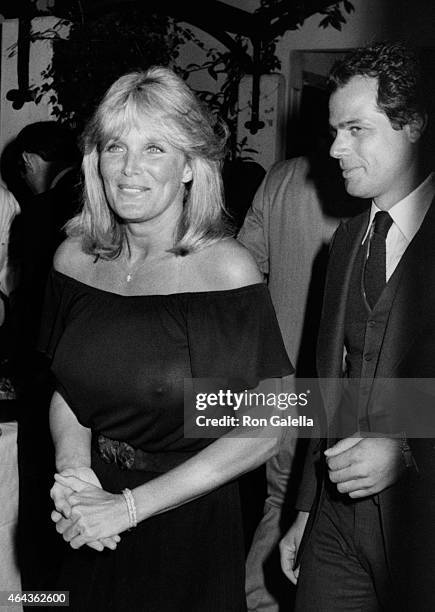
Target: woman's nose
132,164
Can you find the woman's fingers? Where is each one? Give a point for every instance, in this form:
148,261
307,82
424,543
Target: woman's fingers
75,534
109,543
77,484
56,516
96,545
68,529
60,494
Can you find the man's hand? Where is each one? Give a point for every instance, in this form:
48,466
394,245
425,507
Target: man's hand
289,546
364,466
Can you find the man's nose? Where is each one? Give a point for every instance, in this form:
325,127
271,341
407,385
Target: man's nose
339,146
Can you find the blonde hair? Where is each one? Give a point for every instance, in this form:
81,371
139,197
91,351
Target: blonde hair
159,94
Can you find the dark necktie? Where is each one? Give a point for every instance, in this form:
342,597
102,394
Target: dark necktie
375,270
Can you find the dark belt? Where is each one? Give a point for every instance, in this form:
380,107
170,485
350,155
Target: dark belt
128,458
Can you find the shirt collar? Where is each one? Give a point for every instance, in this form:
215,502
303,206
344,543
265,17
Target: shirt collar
408,214
60,175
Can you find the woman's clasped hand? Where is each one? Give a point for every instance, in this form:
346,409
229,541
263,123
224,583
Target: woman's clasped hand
85,513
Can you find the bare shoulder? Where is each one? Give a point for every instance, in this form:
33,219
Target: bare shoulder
70,259
227,265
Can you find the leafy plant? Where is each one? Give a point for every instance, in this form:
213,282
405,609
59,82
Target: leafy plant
100,49
334,17
96,53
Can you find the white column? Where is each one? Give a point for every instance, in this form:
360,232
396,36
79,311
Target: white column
269,142
12,120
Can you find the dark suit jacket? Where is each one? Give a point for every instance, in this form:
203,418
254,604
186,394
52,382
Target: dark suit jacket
38,232
35,236
407,351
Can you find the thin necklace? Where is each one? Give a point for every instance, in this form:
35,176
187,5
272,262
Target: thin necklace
130,276
132,273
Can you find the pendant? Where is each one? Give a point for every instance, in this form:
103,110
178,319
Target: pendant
129,277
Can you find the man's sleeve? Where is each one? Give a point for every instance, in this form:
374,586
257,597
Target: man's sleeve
253,234
309,482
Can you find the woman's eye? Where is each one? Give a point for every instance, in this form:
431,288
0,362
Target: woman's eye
354,130
113,147
155,149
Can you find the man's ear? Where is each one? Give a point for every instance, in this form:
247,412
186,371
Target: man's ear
416,127
29,161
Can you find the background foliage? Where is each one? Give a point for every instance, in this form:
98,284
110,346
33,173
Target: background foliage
97,52
101,48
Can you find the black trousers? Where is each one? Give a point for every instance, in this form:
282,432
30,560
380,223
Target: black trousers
343,564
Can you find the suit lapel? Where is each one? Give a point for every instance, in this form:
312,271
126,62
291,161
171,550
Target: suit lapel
414,301
331,335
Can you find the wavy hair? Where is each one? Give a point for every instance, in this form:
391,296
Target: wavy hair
157,94
401,88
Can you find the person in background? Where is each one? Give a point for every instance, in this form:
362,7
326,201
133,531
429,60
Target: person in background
287,230
9,570
368,529
241,179
148,290
48,159
9,208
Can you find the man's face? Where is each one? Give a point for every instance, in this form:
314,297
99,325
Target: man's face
376,160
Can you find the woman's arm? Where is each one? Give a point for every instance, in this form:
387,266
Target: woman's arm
72,443
97,514
222,461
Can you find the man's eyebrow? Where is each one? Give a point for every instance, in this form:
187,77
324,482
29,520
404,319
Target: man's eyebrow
344,124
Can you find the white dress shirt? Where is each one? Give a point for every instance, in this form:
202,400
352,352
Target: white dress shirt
407,215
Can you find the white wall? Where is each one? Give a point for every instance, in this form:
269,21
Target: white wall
11,120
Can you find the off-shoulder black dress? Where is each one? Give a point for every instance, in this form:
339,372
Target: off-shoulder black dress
119,362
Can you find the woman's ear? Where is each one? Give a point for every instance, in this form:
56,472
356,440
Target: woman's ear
187,174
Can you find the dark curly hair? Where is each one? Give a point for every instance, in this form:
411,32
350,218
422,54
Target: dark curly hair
401,91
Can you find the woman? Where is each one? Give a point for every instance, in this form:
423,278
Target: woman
147,291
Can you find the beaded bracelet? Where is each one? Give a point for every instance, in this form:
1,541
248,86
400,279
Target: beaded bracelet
131,507
406,451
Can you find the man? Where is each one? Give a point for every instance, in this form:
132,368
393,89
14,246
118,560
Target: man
364,533
287,229
48,158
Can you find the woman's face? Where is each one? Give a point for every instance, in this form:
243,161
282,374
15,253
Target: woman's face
143,174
